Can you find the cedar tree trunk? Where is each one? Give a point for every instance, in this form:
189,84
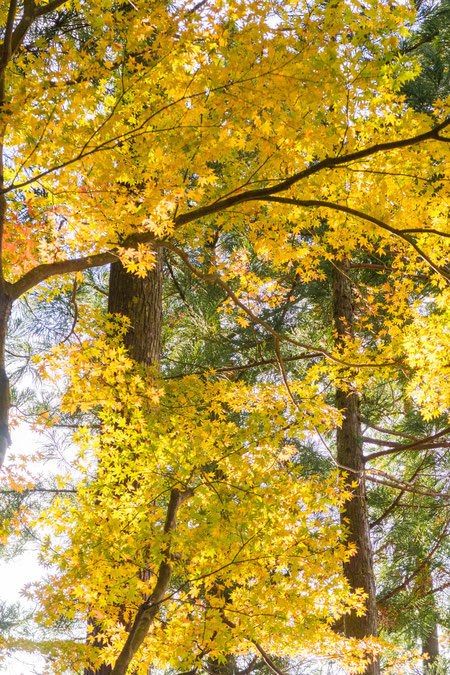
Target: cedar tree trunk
354,516
139,299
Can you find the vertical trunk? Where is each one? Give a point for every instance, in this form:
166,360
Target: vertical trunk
359,569
430,638
5,440
5,302
430,646
140,300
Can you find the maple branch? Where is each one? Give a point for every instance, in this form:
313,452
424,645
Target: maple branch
43,272
149,609
266,658
250,195
384,268
36,145
327,163
380,172
364,216
14,38
423,230
3,209
48,270
5,55
196,7
116,141
22,27
370,266
50,7
6,46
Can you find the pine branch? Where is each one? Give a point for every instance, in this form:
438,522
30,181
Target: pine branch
410,577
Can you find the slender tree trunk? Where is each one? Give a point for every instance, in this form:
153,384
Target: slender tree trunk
5,306
140,300
5,440
359,569
430,646
430,638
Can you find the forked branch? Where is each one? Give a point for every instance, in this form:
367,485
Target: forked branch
149,609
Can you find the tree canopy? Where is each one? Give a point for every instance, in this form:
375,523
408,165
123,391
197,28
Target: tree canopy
276,176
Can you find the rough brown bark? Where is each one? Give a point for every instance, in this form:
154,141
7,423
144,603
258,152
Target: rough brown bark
140,300
359,569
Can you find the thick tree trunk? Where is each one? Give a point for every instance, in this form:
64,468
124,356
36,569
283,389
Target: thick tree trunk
140,300
359,569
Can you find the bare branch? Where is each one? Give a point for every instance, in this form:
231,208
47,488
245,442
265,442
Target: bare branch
384,478
387,431
416,445
247,366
